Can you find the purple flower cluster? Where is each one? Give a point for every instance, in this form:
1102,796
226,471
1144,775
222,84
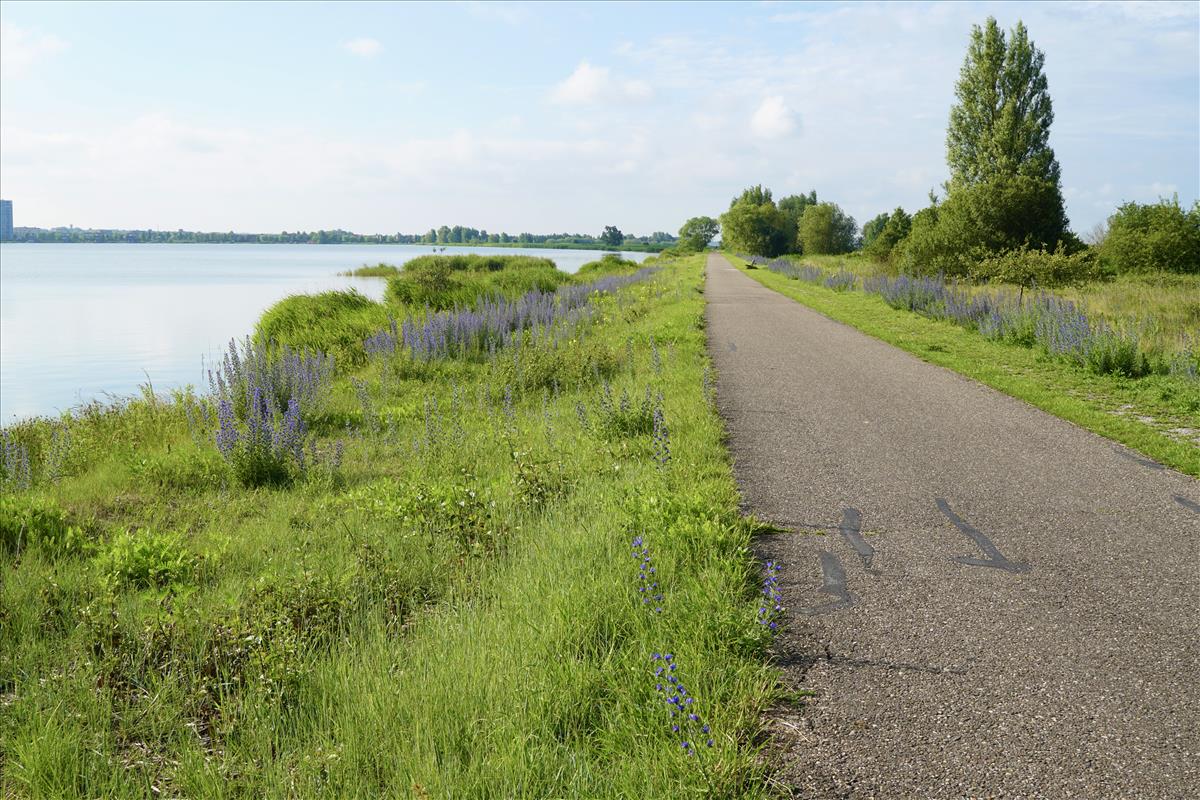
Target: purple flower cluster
493,323
772,604
14,461
840,281
1059,326
278,374
268,445
685,722
648,587
662,436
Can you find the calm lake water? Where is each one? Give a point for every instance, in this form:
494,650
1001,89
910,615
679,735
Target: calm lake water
80,322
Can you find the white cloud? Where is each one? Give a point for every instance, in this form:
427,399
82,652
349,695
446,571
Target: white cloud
588,85
20,48
773,119
364,47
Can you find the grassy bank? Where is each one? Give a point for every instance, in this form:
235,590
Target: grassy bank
1157,414
443,598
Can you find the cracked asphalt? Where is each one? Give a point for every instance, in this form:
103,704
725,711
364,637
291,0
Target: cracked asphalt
986,601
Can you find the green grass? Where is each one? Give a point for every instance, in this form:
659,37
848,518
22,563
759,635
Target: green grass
453,612
380,270
1145,413
1163,307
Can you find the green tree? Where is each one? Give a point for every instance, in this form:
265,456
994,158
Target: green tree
754,225
612,236
895,228
1153,237
1000,126
697,232
873,228
825,228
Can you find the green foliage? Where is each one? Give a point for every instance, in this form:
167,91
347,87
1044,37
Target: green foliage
185,468
895,228
1153,237
380,270
444,282
698,232
27,520
612,236
607,264
975,221
335,322
1028,267
1000,126
792,207
146,560
571,363
826,229
754,225
873,228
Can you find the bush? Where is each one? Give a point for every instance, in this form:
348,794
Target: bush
1038,267
446,282
566,364
1154,237
608,264
267,448
974,222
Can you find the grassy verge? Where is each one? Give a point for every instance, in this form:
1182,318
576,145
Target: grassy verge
449,607
1145,413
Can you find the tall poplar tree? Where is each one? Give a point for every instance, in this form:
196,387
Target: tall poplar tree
1000,127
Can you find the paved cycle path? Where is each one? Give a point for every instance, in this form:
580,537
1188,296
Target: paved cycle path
986,600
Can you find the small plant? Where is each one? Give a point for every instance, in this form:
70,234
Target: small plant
26,520
662,436
268,448
685,722
14,463
647,576
772,601
146,560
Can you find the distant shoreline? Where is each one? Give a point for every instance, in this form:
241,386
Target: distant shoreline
637,247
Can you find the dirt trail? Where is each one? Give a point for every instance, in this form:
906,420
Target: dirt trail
988,601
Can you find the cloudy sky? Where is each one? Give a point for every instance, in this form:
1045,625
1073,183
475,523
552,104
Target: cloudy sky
384,118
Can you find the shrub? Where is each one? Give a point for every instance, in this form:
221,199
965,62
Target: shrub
1010,213
1147,238
145,560
1038,267
608,264
447,282
568,363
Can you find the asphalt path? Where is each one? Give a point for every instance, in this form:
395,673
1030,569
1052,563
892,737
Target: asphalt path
986,600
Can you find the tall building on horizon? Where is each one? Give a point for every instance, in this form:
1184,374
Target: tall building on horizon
6,228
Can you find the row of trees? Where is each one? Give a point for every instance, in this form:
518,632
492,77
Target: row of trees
445,235
1002,215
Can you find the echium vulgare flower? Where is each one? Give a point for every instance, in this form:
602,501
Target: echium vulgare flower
685,720
772,602
647,576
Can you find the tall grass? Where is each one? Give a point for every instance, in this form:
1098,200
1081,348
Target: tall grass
449,611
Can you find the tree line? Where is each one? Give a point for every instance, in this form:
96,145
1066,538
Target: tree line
1002,214
610,237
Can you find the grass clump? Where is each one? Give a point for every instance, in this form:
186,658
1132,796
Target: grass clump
379,270
444,282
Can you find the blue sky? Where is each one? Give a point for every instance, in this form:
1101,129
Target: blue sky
508,116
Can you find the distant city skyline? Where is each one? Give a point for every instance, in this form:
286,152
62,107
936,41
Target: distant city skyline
377,118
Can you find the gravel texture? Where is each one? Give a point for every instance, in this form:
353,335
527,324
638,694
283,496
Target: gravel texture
986,600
